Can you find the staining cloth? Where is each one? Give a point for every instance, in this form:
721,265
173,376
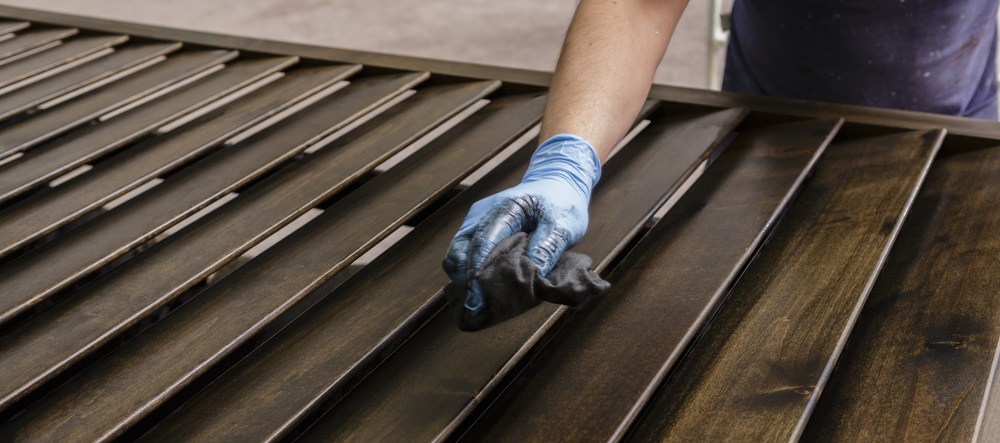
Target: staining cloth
921,55
512,285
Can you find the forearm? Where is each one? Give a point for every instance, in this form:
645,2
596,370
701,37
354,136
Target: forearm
606,68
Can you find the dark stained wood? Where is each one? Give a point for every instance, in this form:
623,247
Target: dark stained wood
267,406
200,333
44,163
697,250
918,361
9,26
56,121
756,373
29,219
439,376
28,97
190,255
74,49
32,39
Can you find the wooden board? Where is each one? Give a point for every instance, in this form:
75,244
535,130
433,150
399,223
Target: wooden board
759,368
32,39
30,219
9,26
698,250
29,97
439,376
64,154
46,125
69,51
917,364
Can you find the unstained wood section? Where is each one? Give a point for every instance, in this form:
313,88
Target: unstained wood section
201,332
48,124
28,97
440,374
72,50
29,219
64,154
31,40
917,363
757,371
617,349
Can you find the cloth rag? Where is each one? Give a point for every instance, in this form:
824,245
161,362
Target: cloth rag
512,285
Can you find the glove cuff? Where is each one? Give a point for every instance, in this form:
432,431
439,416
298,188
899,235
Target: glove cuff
567,157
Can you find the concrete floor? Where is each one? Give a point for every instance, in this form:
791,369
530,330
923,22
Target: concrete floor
515,33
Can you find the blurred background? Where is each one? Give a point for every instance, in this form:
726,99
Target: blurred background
513,33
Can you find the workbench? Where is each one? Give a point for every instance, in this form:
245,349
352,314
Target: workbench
214,238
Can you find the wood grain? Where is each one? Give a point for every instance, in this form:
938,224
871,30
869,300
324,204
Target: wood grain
29,97
64,154
9,26
917,364
29,40
441,374
759,368
69,51
675,278
48,124
28,220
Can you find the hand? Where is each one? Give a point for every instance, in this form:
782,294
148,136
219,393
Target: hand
550,203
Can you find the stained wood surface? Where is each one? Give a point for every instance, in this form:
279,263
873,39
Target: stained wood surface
9,26
182,260
30,219
267,405
69,51
48,124
32,39
437,377
200,333
918,361
609,349
67,153
758,370
28,97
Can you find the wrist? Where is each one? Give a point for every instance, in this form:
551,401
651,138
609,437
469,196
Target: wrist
568,158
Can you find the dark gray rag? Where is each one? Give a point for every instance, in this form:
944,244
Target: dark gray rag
512,285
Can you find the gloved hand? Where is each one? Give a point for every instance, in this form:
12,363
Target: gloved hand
550,203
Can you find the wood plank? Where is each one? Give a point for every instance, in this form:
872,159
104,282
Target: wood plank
48,124
918,361
69,51
756,373
246,416
33,39
214,240
46,162
437,377
30,219
9,26
621,346
31,96
220,319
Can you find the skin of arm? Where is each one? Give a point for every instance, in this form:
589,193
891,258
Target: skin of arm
606,67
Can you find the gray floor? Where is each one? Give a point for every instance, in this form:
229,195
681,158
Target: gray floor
516,33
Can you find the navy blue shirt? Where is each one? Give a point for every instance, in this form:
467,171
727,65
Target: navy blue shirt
923,55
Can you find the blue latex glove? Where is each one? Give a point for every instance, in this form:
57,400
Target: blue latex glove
550,203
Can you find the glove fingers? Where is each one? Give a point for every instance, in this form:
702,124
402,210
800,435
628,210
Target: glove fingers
455,260
546,245
504,220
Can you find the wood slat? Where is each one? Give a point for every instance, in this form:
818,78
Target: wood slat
44,163
9,26
221,318
674,279
31,96
144,280
273,281
48,124
437,377
30,219
74,49
757,372
33,39
918,361
247,416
